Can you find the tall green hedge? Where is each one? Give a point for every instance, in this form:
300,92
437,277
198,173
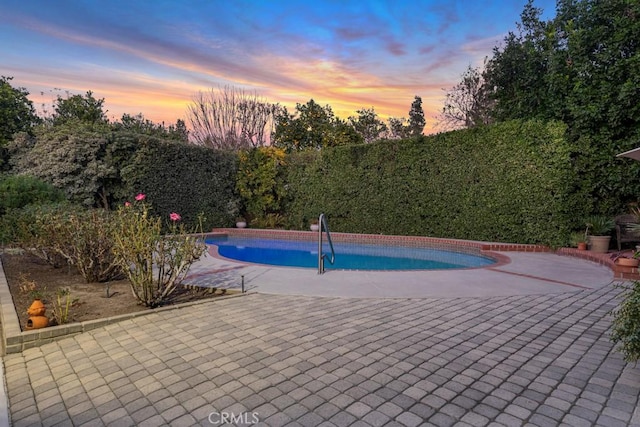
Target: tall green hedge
506,183
186,179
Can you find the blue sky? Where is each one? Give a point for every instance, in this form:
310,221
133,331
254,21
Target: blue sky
151,57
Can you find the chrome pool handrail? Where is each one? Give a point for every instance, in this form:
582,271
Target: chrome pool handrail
322,223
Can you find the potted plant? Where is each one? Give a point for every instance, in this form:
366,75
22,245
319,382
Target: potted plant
599,229
314,225
241,222
627,260
579,240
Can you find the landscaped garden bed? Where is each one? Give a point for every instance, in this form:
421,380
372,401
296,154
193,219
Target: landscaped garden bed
90,300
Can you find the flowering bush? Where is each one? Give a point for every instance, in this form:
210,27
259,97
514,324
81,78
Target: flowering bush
154,263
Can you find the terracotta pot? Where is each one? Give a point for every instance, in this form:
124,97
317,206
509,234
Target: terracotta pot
37,322
627,262
582,246
37,308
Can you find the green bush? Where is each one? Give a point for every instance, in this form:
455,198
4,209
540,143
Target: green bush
260,184
626,323
17,191
184,178
510,182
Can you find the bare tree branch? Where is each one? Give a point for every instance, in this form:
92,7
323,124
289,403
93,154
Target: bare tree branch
230,119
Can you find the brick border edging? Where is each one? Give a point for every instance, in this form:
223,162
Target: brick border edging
14,340
619,272
417,241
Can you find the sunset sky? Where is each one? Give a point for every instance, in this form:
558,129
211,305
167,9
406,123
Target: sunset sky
151,57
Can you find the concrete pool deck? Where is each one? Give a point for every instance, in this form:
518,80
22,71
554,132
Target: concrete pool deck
520,273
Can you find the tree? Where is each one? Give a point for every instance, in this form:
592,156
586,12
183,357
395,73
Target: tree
78,158
468,103
400,127
138,124
230,119
86,109
17,114
517,74
368,125
583,68
313,126
416,118
397,128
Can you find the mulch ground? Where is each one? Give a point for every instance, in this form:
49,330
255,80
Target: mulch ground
90,300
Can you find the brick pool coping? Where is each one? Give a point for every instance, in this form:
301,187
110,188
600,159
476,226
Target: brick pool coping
14,340
620,272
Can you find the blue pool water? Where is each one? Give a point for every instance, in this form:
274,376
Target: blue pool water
349,256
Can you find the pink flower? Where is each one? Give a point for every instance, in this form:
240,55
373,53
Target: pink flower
140,197
127,204
175,216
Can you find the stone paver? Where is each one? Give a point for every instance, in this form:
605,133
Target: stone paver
296,360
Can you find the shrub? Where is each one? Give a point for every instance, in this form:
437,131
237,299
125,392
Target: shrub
626,323
154,263
260,184
510,182
62,304
88,244
39,230
193,180
18,191
64,234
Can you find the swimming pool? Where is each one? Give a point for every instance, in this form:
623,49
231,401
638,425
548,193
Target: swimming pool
349,256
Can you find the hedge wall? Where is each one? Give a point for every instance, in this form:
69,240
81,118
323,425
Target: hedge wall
506,183
186,179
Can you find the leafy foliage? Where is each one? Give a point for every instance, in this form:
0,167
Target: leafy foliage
509,182
79,108
626,323
17,113
368,125
73,157
313,126
582,68
139,125
190,179
261,184
416,118
37,229
17,191
85,238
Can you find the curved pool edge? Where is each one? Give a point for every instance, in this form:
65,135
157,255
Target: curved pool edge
477,248
525,270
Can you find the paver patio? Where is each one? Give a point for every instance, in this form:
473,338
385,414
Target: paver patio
299,360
